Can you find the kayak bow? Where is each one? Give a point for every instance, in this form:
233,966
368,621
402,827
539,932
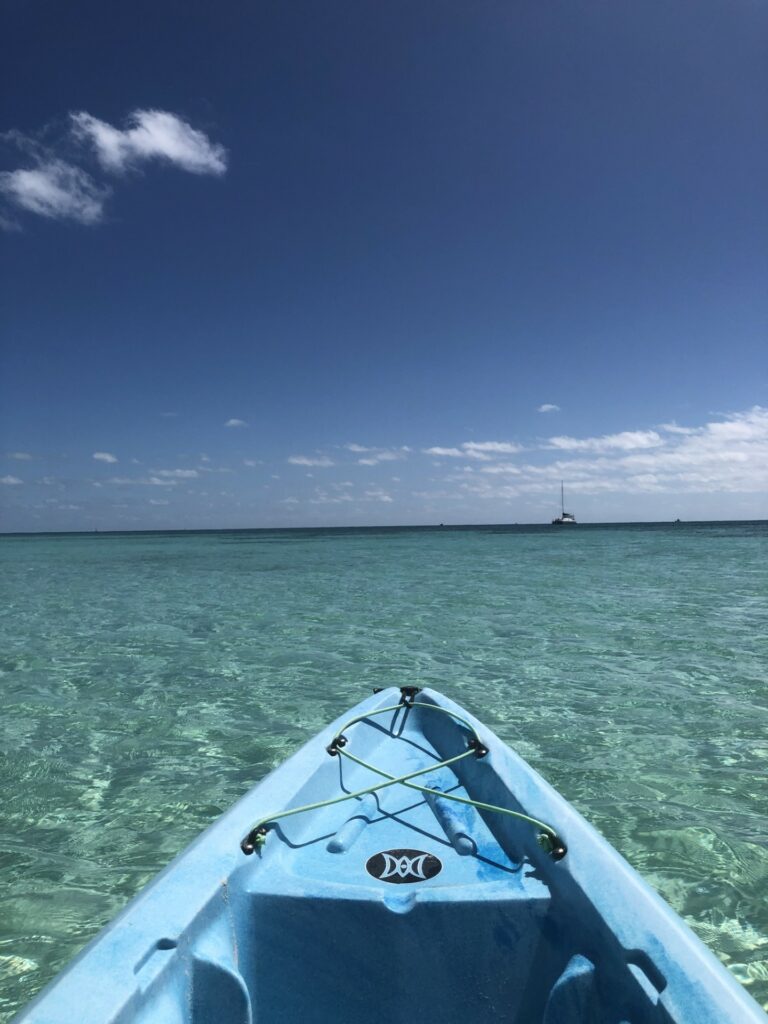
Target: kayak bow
409,867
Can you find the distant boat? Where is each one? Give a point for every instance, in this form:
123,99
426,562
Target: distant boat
564,517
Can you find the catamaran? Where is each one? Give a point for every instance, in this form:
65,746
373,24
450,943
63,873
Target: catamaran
564,517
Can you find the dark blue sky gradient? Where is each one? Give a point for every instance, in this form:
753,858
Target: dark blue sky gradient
436,217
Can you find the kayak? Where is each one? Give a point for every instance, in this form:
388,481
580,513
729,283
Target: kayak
403,866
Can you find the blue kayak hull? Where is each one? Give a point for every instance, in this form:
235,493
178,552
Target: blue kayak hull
398,905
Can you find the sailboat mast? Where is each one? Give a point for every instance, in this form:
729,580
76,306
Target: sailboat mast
562,498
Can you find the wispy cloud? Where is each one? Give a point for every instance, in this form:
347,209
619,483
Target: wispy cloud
150,135
322,497
728,455
450,453
10,481
168,478
502,469
382,456
54,184
483,451
21,456
57,190
235,423
104,457
476,449
548,407
176,474
627,440
310,460
674,428
378,495
374,455
252,462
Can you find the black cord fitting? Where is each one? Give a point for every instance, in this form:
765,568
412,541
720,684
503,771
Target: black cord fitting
378,689
254,838
553,844
559,850
336,742
475,744
408,693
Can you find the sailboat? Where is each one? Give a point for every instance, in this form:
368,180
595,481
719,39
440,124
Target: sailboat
564,517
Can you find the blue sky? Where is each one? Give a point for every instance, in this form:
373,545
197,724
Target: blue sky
360,263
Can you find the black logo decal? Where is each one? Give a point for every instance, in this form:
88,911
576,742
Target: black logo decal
400,866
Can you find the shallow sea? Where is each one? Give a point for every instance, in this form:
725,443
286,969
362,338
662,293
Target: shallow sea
147,680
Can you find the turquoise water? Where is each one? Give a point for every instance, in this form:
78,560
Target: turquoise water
148,680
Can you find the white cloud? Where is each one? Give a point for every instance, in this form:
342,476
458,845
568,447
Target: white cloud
373,456
104,457
21,456
674,428
378,495
150,481
177,474
309,460
502,469
252,462
548,407
392,456
482,451
627,440
10,481
59,189
150,135
451,453
159,501
55,189
235,423
725,456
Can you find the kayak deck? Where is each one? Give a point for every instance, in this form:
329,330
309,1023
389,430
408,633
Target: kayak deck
398,905
394,948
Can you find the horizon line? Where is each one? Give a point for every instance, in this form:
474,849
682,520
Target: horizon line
382,526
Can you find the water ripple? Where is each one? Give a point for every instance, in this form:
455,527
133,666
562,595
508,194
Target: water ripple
148,680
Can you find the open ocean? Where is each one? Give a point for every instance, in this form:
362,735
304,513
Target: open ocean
148,679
